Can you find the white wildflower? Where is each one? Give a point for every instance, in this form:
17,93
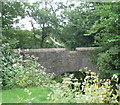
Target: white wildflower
114,76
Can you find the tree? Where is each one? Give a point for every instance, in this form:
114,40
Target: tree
79,21
10,13
107,35
44,17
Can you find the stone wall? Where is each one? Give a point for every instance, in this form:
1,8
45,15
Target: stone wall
60,60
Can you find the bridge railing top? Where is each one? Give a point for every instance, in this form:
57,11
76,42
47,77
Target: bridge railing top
58,49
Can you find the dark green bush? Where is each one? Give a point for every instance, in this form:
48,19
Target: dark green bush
8,58
108,61
19,71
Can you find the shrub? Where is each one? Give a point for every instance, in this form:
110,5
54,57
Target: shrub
108,62
31,73
8,58
20,72
94,90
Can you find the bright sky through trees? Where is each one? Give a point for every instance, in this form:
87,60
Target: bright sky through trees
25,23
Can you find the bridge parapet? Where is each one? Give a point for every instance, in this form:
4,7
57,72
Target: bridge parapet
60,60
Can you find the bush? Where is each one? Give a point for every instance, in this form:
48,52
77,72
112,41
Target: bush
108,61
22,71
31,73
94,90
8,58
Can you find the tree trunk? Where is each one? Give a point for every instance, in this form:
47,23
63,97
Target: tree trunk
41,42
33,33
43,36
32,24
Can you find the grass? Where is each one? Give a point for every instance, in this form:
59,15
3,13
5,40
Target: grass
11,96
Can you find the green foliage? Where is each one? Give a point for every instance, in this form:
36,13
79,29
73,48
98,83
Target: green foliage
22,71
75,27
25,39
20,38
8,58
108,61
94,90
45,17
107,26
30,73
107,36
79,21
69,26
10,12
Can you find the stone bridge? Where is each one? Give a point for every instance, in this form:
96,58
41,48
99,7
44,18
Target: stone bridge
60,60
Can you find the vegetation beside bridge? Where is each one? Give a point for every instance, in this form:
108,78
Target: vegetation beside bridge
72,24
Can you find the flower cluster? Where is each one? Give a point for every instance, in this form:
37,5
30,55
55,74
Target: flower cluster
91,90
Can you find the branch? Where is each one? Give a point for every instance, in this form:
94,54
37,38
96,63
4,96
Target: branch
56,43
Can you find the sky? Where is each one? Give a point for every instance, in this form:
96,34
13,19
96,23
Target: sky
25,24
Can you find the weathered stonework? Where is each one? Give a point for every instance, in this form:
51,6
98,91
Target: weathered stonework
60,60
